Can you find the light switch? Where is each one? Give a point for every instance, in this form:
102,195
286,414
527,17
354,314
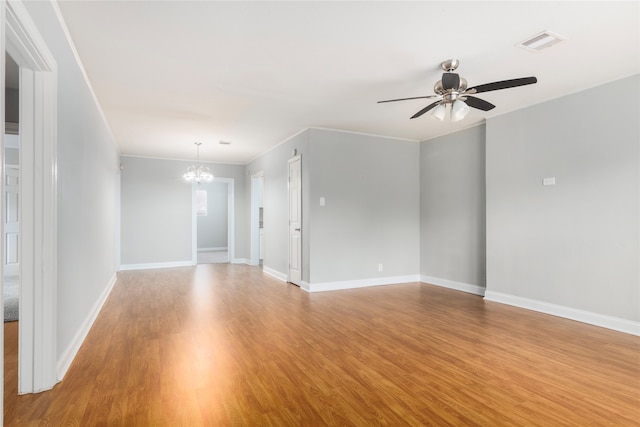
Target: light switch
321,201
549,181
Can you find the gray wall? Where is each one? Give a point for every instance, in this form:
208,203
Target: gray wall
452,207
371,189
575,244
276,211
11,105
212,228
87,190
156,210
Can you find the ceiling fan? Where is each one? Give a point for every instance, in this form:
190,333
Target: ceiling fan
452,90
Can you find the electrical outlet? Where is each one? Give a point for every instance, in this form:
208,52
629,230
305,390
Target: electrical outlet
380,267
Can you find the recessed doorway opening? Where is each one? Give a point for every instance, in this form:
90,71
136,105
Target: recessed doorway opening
37,203
213,213
11,254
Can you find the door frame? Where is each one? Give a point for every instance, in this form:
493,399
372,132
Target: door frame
255,216
230,220
13,270
37,365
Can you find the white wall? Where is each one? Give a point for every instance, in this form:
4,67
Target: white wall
87,170
574,244
452,208
156,211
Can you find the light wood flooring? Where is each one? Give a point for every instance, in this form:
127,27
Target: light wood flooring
223,344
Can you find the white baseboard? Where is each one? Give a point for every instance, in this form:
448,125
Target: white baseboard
152,265
213,249
609,322
240,261
274,273
65,360
360,283
451,284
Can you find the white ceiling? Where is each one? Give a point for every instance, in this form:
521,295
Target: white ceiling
168,74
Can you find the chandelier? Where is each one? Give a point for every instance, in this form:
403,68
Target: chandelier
198,172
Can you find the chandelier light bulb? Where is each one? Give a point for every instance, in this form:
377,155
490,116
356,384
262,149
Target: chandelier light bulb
198,172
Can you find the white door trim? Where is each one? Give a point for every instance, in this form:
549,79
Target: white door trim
231,209
231,239
38,184
2,143
13,268
295,276
255,216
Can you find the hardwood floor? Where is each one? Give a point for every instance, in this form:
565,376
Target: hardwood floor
223,344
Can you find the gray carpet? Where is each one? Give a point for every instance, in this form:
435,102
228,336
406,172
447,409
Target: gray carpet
11,295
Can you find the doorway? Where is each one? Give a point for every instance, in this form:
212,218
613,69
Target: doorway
11,257
213,214
37,240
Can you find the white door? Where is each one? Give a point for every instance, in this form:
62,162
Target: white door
295,222
12,223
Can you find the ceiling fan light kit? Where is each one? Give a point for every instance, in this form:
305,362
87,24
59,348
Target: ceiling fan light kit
439,112
459,110
453,90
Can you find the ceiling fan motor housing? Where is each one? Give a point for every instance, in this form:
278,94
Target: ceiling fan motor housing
450,65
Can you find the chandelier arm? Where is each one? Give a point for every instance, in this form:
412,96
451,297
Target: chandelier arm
198,172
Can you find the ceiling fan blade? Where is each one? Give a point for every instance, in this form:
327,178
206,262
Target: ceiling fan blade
504,84
406,99
425,109
450,81
478,103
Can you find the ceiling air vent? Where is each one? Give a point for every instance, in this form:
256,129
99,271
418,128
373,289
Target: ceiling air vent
540,41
